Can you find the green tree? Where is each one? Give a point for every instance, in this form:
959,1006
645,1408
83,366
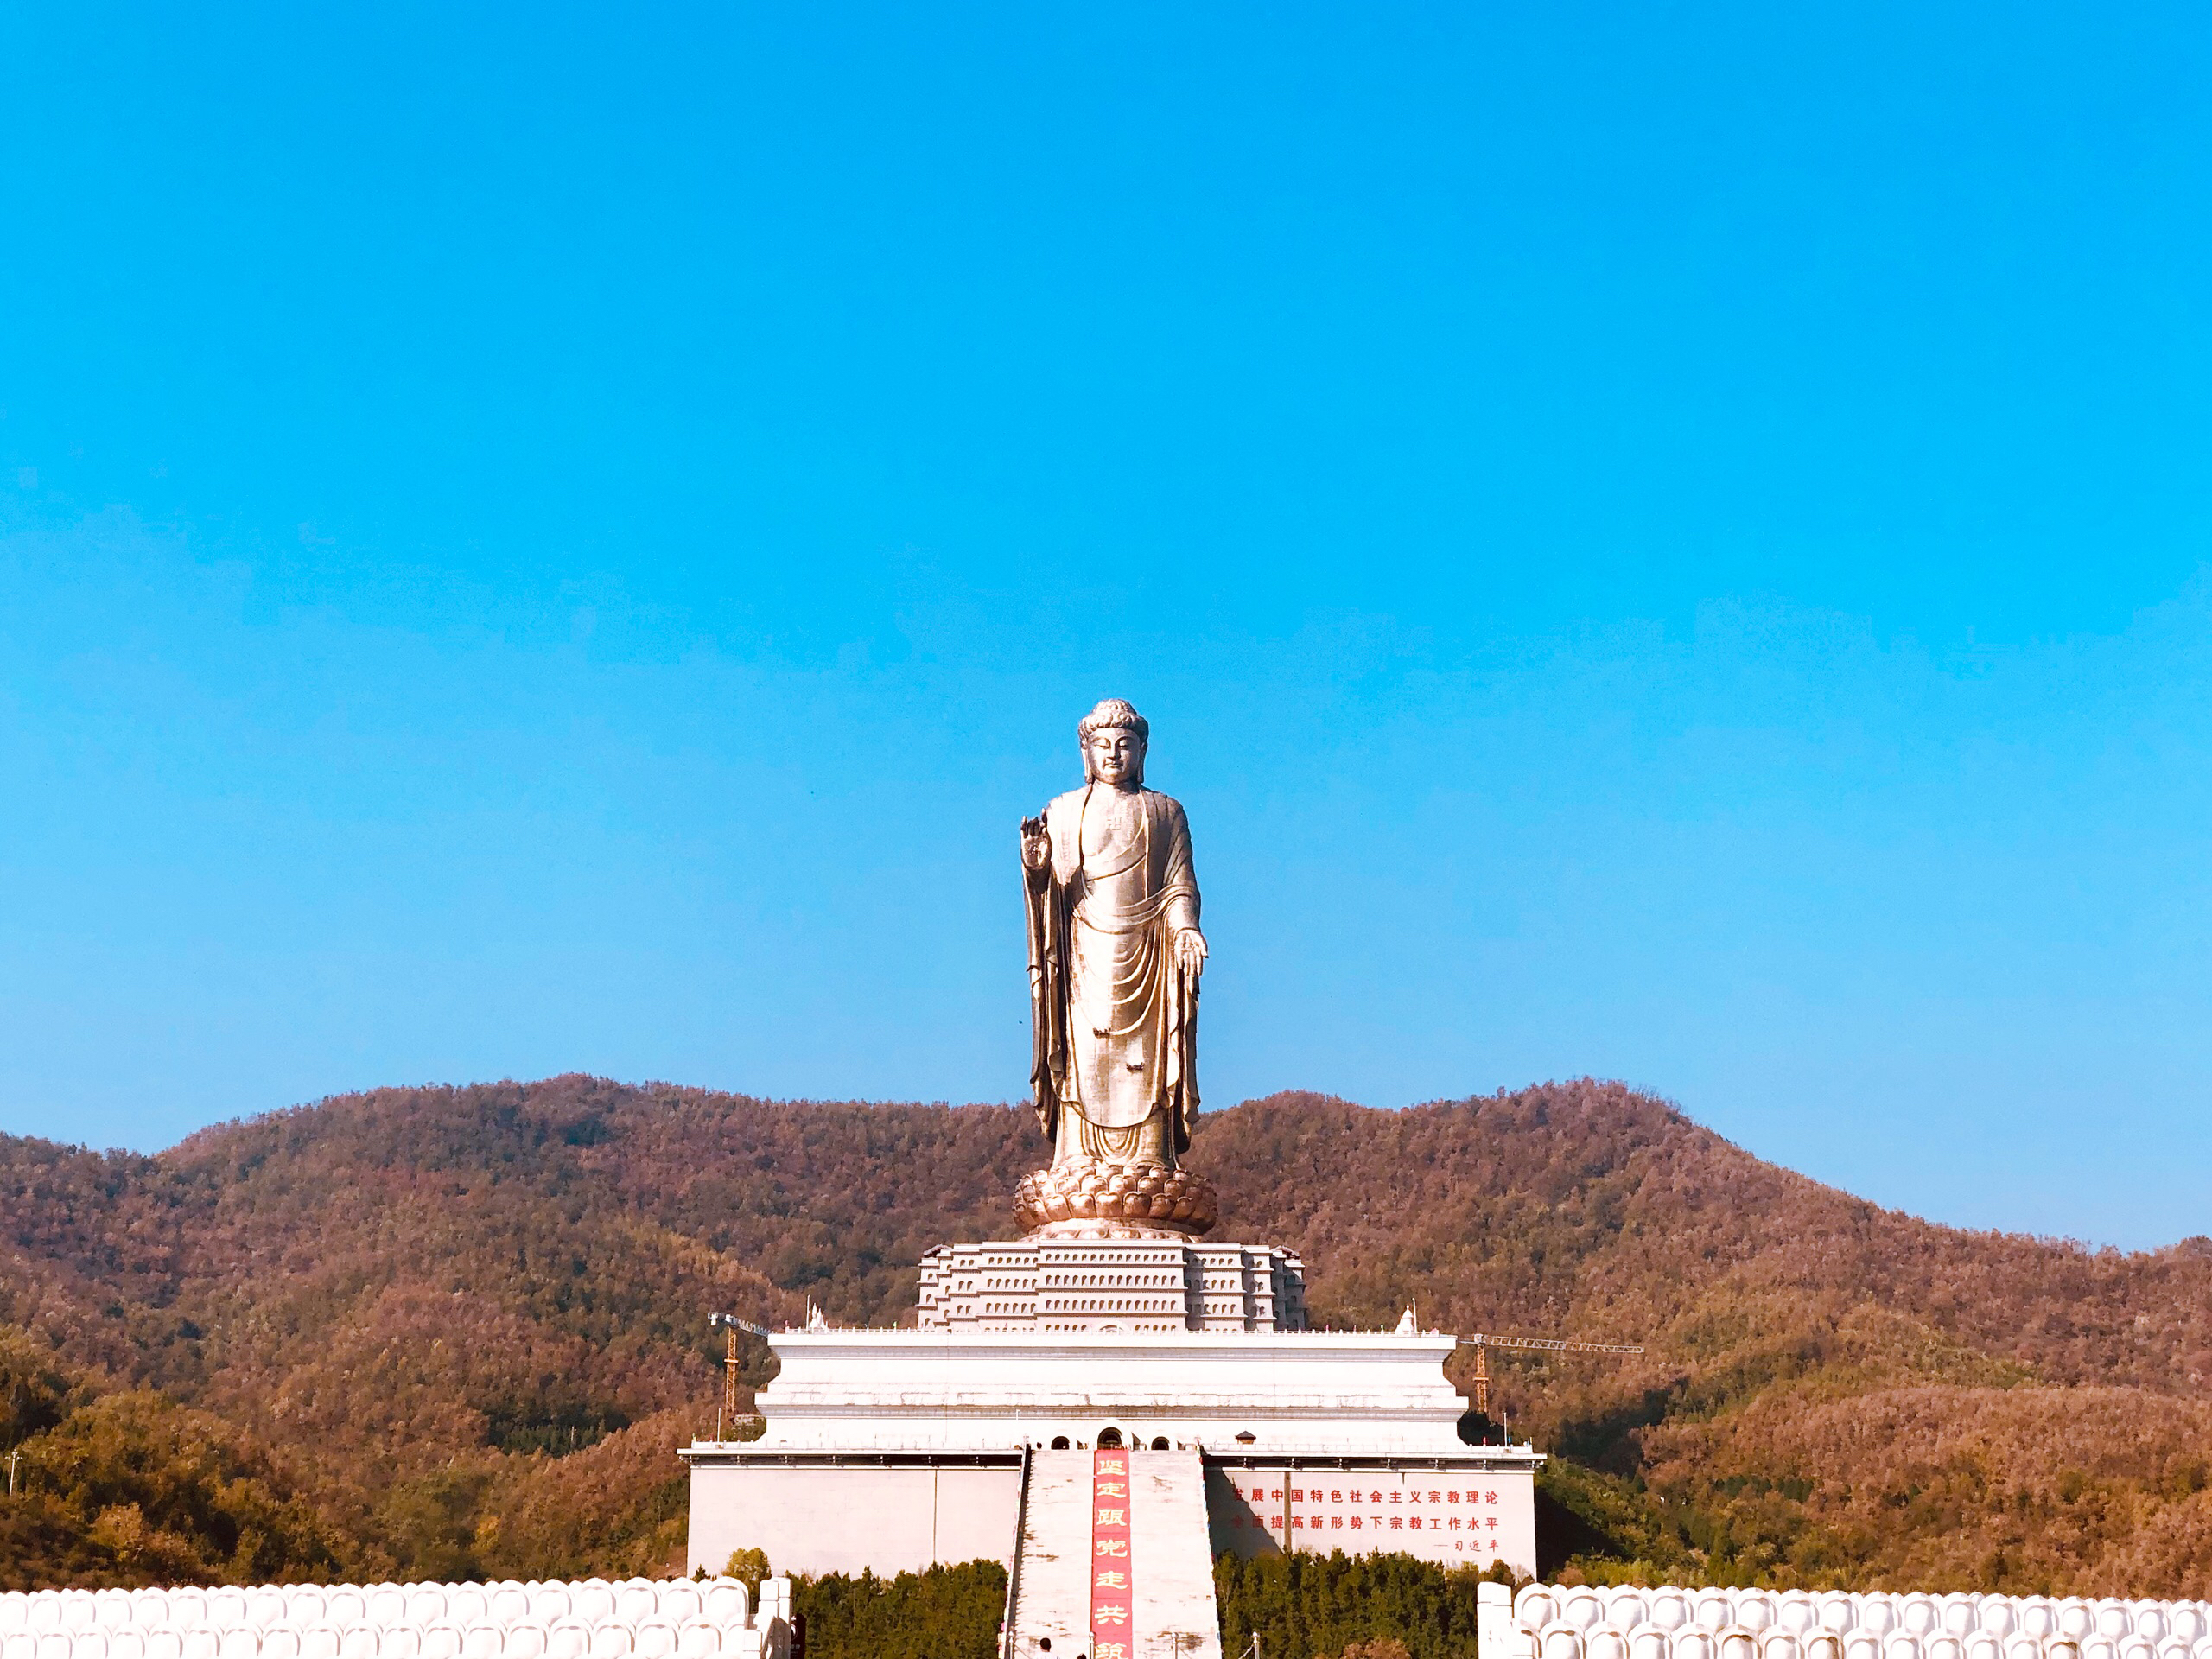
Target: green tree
1308,1606
161,1492
749,1567
952,1612
36,1391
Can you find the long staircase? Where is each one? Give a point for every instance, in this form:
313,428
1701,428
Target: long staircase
1051,1598
1176,1614
1163,1568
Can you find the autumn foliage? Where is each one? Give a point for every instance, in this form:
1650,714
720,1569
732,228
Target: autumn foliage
455,1332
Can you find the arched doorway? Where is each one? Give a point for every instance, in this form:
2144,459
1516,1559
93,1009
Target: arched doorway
1059,1442
1110,1439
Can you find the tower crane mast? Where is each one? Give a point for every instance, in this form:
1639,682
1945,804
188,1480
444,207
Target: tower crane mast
1483,1343
733,1325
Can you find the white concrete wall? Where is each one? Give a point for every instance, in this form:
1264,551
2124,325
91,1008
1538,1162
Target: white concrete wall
816,1518
1332,1392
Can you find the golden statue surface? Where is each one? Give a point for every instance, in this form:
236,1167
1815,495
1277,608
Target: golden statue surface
1114,957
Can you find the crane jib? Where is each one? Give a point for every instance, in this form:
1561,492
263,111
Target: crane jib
1483,1344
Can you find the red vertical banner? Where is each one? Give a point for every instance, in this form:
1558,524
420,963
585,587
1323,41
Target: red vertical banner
1113,1599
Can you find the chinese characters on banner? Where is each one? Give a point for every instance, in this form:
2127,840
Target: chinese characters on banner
1112,1601
1290,1509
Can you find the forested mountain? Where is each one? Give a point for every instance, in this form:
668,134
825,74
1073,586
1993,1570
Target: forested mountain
455,1331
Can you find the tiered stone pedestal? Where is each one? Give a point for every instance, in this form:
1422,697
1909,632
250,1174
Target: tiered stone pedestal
1056,1283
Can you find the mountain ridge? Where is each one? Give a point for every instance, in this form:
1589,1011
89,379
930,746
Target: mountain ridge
465,1326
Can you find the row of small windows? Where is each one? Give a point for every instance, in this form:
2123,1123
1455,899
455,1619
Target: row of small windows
1206,1256
1118,1283
1110,1439
1230,1322
1101,1305
1215,1317
1214,1272
1075,1281
1212,1313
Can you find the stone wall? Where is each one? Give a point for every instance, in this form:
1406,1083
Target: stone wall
589,1618
1549,1622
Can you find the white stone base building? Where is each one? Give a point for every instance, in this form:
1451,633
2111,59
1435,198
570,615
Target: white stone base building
892,1450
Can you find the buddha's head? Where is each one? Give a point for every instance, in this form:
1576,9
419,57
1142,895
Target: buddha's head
1113,737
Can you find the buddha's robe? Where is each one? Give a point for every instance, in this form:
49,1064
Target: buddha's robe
1115,1060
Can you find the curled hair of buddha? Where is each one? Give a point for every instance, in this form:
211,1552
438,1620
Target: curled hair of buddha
1113,713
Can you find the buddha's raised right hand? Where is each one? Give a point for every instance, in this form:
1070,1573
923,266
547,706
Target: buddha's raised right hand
1036,844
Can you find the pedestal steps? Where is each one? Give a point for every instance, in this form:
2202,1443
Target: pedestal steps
1169,1561
1171,1553
1053,1601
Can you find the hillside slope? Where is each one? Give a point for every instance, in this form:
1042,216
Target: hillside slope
462,1328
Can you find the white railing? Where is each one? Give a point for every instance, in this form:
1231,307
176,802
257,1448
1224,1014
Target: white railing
587,1619
1623,1622
1014,1560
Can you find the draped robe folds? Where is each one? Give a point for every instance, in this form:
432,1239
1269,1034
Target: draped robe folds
1115,1015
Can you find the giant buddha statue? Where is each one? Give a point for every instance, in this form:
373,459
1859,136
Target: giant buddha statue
1114,956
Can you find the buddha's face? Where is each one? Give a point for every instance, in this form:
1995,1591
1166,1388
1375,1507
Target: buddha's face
1116,756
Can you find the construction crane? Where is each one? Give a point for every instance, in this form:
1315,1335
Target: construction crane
1483,1344
732,1324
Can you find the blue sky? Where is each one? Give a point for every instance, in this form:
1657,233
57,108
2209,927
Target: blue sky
1660,543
